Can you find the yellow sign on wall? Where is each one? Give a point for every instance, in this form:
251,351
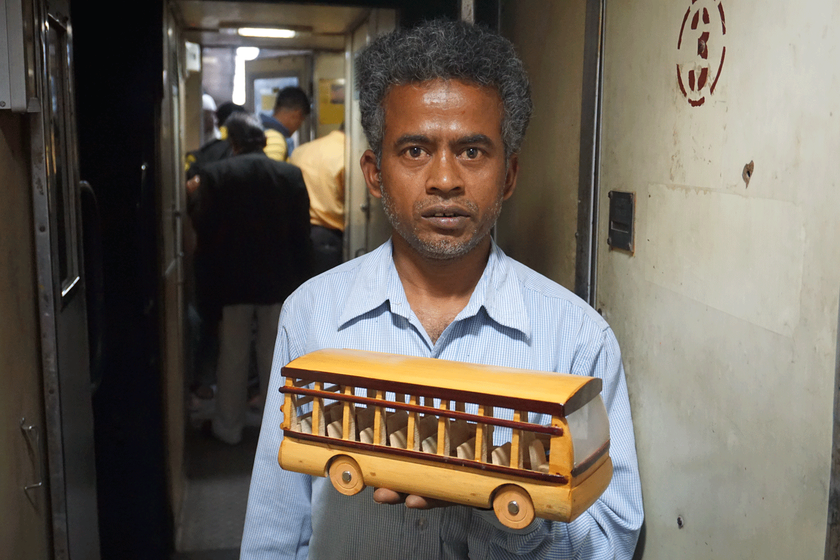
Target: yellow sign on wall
331,101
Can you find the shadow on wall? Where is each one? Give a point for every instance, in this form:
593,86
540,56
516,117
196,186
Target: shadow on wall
640,545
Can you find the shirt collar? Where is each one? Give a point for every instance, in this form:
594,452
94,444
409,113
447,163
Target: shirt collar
498,291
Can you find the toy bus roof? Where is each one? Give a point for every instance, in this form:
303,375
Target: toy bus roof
537,391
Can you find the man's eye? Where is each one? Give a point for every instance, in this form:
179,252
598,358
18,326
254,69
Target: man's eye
472,153
415,152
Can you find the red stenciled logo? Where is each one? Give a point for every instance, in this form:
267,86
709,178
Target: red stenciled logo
701,50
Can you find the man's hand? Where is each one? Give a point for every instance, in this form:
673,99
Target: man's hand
193,184
385,496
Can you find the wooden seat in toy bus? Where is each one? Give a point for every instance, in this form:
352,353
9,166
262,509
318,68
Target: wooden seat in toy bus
527,443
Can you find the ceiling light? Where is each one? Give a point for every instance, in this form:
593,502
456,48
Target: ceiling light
271,33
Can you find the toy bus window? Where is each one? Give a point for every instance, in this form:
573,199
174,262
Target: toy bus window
590,429
301,409
340,415
365,417
396,421
499,445
536,455
462,439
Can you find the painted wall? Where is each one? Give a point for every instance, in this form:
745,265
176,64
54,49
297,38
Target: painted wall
727,312
367,227
539,222
25,515
328,67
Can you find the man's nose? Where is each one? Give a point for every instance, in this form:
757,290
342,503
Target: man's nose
445,175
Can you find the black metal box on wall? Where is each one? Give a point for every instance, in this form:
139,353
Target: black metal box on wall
622,211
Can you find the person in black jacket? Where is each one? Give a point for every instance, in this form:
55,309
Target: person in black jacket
217,148
204,312
251,217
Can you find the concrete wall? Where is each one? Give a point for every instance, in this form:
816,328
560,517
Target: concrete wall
539,222
25,515
727,313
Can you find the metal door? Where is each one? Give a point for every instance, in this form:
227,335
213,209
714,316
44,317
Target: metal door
62,300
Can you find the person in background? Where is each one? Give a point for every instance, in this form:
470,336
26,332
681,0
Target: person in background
251,217
204,312
209,124
216,148
290,110
322,164
444,107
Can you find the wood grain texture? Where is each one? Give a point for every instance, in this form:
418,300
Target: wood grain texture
537,391
442,452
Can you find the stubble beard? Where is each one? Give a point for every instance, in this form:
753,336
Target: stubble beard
441,248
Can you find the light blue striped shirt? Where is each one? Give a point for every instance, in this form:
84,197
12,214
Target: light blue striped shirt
515,318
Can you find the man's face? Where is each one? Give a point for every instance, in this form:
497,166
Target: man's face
296,118
442,177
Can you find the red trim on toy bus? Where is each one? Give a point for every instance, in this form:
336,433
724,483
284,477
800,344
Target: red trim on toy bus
591,460
534,475
537,428
516,403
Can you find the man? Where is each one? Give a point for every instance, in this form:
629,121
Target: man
290,110
322,164
209,124
216,148
206,312
251,216
444,107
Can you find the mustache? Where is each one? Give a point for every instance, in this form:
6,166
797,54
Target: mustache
422,205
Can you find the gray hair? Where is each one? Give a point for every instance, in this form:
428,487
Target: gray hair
445,50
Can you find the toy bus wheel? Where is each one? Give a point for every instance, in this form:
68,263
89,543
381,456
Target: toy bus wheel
346,476
513,507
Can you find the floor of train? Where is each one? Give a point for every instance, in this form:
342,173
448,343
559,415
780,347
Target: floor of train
216,495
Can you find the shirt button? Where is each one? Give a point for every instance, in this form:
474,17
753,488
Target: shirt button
421,524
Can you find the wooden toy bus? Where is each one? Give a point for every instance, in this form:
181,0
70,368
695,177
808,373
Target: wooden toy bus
425,426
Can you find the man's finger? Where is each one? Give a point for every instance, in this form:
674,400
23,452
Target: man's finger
419,502
385,496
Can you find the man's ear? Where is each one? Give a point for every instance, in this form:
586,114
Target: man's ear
510,176
370,171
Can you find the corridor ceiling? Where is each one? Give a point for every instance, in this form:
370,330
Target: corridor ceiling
214,23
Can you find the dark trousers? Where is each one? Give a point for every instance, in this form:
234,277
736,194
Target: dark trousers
328,247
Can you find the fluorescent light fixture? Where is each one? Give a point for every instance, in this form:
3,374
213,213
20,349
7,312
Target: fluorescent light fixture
271,33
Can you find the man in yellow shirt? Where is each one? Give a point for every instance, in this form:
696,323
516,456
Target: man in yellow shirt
322,164
290,110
